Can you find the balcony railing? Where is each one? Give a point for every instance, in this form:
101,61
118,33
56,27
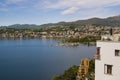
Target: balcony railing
96,56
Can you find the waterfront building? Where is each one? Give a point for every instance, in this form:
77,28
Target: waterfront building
107,63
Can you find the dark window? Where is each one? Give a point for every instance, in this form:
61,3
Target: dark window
82,71
117,52
108,69
82,62
87,63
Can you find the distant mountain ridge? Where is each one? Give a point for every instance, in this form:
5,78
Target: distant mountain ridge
20,26
110,21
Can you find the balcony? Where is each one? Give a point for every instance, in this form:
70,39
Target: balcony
96,56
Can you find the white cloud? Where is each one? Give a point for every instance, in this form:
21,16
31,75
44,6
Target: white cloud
82,3
70,10
73,6
65,7
97,12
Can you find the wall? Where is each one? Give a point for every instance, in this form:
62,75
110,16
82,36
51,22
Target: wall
107,53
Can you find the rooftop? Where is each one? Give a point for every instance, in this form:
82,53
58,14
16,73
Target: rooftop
108,41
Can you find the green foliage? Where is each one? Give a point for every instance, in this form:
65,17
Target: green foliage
58,29
92,66
71,39
84,39
54,78
69,74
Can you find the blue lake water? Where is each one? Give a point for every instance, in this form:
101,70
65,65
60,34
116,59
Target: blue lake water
38,59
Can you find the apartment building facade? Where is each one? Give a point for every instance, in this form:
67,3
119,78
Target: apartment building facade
107,63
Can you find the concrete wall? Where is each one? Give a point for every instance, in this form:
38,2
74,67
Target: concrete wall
107,53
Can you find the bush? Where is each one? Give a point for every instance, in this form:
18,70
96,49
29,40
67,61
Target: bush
69,74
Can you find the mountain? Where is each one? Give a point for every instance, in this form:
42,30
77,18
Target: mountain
20,26
110,21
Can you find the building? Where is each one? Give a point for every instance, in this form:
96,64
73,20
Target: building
114,37
111,36
107,63
83,69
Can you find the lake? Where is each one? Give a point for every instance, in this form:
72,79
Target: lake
38,59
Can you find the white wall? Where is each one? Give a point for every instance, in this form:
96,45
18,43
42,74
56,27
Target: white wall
107,53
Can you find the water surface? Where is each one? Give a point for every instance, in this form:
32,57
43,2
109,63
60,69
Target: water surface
38,59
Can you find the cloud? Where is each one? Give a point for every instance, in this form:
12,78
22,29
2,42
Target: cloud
64,7
70,10
82,3
72,6
96,12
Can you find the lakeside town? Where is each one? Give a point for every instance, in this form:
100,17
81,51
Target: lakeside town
58,32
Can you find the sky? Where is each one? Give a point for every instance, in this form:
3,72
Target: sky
52,11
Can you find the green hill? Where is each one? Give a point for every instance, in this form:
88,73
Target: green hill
110,21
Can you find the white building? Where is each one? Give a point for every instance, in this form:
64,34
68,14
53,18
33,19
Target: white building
107,63
114,37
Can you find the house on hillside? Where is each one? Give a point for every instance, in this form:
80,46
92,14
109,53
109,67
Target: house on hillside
83,69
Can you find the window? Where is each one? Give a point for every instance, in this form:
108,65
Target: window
82,62
82,71
117,52
108,69
87,63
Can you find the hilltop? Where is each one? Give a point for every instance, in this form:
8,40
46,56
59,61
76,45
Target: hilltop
110,21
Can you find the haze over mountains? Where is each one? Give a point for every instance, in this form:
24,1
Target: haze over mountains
110,21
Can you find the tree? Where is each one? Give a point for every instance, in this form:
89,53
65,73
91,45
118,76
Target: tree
69,74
